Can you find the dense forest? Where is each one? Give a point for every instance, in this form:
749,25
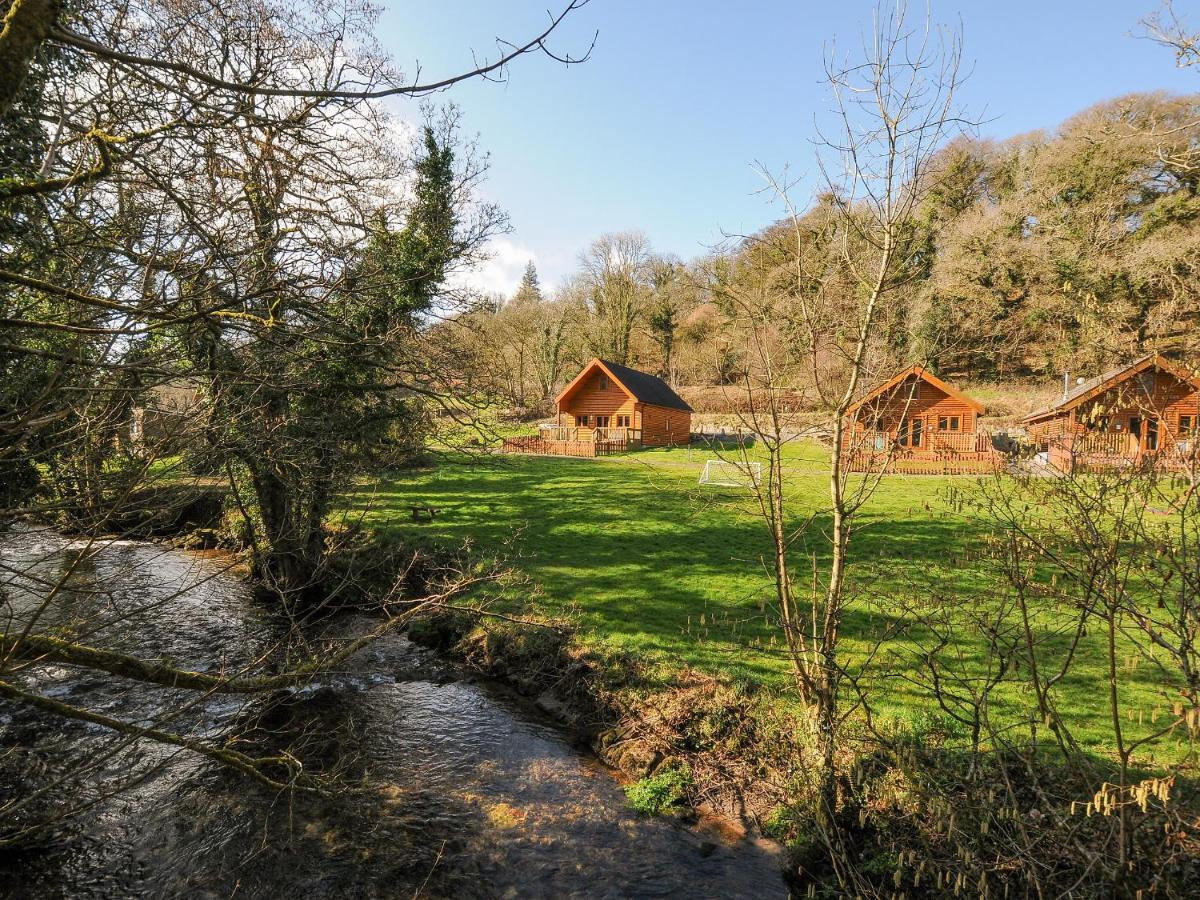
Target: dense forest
1071,249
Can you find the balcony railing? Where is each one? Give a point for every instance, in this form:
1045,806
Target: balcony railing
1099,450
940,452
931,442
618,435
599,435
558,433
959,441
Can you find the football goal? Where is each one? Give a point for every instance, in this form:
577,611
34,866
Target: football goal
718,472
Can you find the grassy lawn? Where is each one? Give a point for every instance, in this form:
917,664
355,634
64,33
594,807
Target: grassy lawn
647,561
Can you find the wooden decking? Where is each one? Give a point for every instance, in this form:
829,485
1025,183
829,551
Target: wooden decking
586,449
1114,452
941,453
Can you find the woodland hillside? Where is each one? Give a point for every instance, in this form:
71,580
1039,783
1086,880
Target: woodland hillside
1069,249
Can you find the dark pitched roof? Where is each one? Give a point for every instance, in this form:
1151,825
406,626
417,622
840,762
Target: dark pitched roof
1082,390
1091,383
645,387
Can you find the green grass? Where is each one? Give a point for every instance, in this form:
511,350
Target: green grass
647,562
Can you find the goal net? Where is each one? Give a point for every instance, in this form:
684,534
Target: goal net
718,472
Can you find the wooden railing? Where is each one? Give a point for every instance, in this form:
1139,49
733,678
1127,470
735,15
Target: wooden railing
620,435
583,433
931,442
940,453
549,447
1106,451
558,433
959,441
572,441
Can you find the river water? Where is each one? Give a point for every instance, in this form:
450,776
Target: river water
452,787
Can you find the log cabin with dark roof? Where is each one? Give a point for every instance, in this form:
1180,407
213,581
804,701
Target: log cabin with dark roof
608,408
609,401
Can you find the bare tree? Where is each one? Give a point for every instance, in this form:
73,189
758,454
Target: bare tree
616,275
28,26
1167,28
813,317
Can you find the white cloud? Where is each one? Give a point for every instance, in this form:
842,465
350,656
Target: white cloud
501,272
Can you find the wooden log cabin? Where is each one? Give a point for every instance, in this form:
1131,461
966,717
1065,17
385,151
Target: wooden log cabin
1148,409
915,423
608,402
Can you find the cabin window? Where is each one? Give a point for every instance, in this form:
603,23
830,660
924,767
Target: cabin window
602,382
1152,434
601,421
1187,431
581,421
910,433
622,421
1146,382
949,423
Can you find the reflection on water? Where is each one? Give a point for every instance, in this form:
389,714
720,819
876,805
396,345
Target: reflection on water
454,788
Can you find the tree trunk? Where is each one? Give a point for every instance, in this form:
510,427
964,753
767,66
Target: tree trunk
289,556
25,26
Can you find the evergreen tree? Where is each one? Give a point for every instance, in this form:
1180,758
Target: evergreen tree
428,243
530,290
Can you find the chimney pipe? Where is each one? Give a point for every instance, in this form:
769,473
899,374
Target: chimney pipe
1066,384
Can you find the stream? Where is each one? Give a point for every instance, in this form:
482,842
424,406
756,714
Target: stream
455,786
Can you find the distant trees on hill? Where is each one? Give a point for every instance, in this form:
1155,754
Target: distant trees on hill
1072,248
1065,249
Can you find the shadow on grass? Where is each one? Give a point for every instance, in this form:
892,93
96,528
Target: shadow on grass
643,560
647,564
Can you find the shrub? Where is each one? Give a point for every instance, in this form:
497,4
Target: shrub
660,792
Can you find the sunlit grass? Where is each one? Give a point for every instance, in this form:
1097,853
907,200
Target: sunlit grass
648,562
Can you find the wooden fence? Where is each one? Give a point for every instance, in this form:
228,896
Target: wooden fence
1114,452
533,444
935,463
941,453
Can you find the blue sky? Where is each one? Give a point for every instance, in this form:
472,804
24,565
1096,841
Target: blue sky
660,130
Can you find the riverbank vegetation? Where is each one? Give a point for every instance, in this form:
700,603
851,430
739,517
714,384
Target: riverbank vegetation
664,591
216,244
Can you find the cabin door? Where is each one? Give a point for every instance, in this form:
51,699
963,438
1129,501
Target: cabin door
912,433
